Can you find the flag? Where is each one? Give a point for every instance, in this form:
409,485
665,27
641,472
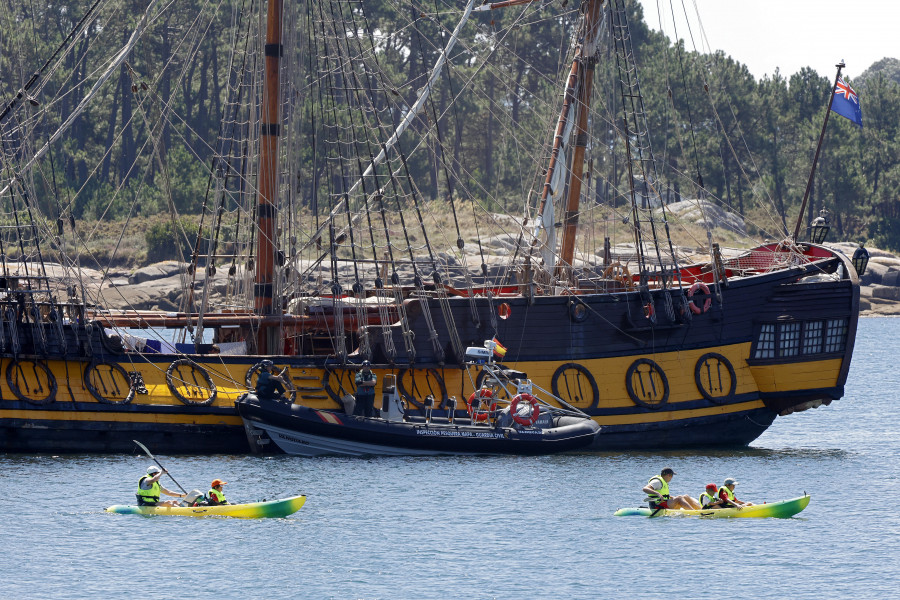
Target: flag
846,102
499,349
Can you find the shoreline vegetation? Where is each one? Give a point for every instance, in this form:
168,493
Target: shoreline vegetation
132,279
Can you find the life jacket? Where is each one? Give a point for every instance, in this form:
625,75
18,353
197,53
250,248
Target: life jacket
728,493
151,495
707,498
362,377
216,497
662,494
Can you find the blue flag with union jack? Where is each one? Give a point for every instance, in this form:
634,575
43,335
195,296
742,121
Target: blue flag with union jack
846,102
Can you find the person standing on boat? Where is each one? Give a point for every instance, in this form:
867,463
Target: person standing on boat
215,496
269,383
710,497
726,494
365,391
657,490
149,489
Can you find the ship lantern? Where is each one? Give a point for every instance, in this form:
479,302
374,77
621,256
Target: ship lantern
819,227
860,260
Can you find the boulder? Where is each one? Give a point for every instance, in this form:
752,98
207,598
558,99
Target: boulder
707,214
874,273
159,270
885,292
891,278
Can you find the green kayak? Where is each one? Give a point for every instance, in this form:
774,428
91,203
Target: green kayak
252,510
778,510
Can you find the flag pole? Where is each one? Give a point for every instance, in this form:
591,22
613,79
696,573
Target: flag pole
812,171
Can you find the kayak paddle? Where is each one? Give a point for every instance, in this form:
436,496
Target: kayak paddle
147,452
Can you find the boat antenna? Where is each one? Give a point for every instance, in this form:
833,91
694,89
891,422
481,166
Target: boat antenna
812,172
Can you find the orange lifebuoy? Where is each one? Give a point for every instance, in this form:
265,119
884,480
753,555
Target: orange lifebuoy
480,394
699,285
535,409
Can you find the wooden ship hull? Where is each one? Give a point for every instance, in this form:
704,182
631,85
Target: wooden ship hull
665,356
759,346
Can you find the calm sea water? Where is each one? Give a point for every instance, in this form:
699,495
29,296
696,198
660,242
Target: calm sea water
483,527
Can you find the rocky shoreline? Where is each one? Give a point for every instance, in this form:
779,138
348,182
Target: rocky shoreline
160,286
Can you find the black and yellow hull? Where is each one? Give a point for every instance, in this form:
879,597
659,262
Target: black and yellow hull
655,377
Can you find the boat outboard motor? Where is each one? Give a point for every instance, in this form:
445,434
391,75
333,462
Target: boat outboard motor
429,406
451,409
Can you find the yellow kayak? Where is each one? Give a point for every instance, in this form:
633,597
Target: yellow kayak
778,510
252,510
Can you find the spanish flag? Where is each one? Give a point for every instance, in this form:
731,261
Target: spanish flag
499,349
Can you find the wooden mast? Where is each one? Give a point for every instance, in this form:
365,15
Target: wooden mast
586,60
269,134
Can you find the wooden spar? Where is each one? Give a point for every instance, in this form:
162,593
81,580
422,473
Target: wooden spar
812,172
504,4
570,220
269,134
557,139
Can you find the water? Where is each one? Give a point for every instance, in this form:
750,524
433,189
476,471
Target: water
483,527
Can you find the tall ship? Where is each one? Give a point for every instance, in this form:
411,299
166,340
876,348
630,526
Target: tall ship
346,219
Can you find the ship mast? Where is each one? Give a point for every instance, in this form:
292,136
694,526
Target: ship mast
586,59
574,115
269,134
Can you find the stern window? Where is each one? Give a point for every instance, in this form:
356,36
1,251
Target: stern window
836,335
812,337
789,339
765,347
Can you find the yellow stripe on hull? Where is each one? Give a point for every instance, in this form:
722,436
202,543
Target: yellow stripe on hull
724,370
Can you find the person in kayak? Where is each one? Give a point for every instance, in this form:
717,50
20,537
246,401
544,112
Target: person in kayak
710,497
365,391
726,494
657,490
270,385
215,496
149,489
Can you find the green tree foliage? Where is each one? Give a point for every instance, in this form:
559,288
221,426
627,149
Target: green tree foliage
147,142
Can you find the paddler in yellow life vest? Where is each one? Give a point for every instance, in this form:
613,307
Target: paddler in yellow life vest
657,490
149,489
710,498
215,495
726,494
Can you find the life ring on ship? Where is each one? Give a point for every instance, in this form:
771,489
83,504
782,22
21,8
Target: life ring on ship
699,285
31,389
478,396
535,410
194,368
108,387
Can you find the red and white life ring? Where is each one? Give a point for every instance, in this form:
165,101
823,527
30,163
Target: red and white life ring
699,285
480,415
535,409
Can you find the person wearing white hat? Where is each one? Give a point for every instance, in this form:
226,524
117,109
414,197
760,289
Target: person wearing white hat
726,493
149,489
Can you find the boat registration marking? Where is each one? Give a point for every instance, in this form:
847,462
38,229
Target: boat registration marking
454,433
